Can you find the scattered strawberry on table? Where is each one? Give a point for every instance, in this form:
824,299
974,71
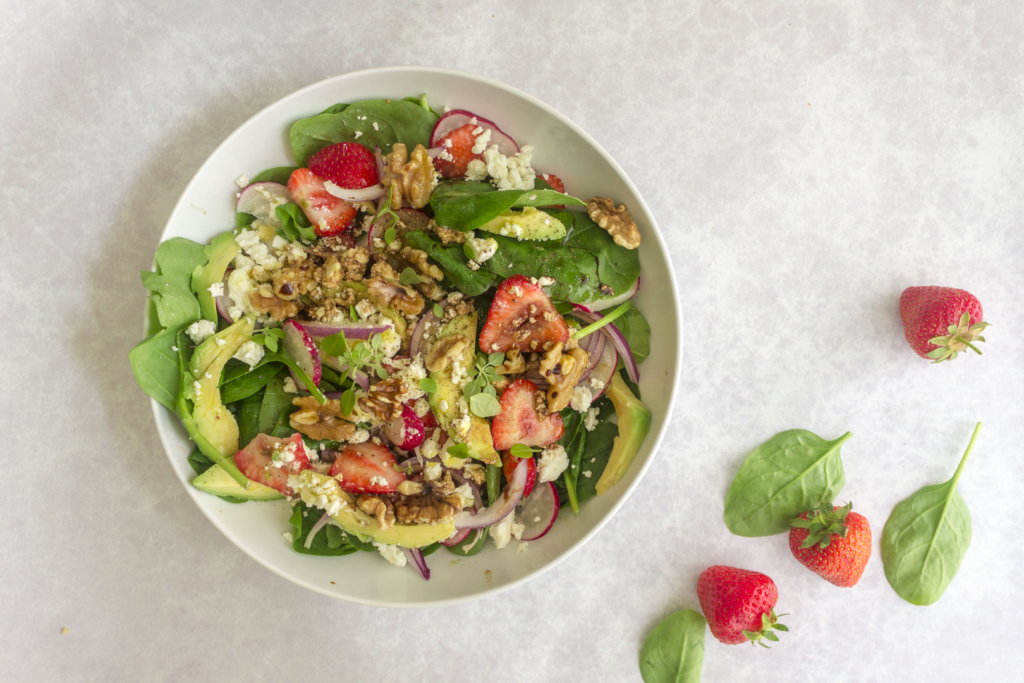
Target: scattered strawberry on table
739,605
941,322
833,543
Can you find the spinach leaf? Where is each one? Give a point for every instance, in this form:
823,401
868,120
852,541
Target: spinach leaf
637,331
575,270
792,472
278,174
674,650
336,108
199,462
249,383
155,364
397,121
175,303
926,537
474,543
453,262
249,418
597,451
294,224
276,403
617,266
466,205
329,539
421,101
178,257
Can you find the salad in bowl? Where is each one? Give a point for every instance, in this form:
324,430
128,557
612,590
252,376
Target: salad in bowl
412,335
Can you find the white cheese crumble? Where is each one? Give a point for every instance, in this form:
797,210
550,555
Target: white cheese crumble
221,342
553,461
510,173
289,386
590,421
377,480
391,553
288,536
482,249
476,170
421,407
522,547
365,308
432,471
546,281
482,138
216,289
465,493
588,474
250,352
242,181
318,490
505,530
361,436
581,398
200,330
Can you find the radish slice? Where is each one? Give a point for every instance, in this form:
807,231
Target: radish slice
539,511
320,523
457,118
502,508
366,194
261,200
405,431
351,330
299,345
415,556
602,304
605,368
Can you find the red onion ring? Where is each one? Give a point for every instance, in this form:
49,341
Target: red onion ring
501,509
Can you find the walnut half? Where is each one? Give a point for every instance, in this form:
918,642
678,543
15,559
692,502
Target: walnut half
444,350
564,378
616,220
409,184
320,421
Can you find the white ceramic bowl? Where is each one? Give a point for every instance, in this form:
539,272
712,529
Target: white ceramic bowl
561,147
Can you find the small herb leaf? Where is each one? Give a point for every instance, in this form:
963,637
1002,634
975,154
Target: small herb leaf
484,405
409,277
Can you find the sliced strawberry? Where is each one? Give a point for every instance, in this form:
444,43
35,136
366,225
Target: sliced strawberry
509,463
519,422
271,461
521,317
346,164
459,146
554,181
367,468
328,214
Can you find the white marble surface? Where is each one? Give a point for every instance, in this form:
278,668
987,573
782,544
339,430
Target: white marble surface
806,161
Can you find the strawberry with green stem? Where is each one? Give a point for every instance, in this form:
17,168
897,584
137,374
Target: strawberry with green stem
833,542
739,605
941,322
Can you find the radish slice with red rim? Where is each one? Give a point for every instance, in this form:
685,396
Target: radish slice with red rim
502,507
405,431
262,199
539,511
299,345
457,118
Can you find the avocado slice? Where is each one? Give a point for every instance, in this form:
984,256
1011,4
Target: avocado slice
220,252
360,524
479,439
212,418
634,424
218,482
535,225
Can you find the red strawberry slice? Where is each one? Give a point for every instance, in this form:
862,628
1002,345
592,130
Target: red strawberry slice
346,164
521,317
556,184
367,468
519,422
270,461
508,465
328,214
459,146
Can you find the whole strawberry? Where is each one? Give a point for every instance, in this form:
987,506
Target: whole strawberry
739,605
348,165
941,322
833,543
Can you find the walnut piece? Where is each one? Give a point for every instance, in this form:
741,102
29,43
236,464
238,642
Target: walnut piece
443,350
396,295
437,504
320,421
565,377
418,258
278,308
447,234
476,472
291,283
411,183
381,510
514,363
410,488
384,399
616,220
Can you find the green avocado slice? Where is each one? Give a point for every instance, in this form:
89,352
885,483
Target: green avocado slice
212,418
535,225
220,252
218,482
634,424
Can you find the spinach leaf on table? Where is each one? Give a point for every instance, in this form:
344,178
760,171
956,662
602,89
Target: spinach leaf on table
792,472
155,364
329,539
466,205
278,174
674,651
926,537
397,121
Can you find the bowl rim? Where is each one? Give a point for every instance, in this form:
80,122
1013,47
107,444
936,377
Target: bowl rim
159,410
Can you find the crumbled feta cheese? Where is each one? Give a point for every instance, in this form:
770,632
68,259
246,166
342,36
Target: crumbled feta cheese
284,455
553,461
319,491
365,308
243,262
221,342
590,421
197,389
374,124
476,170
421,407
391,553
546,281
443,405
377,480
588,474
515,290
581,398
503,531
465,493
510,173
391,342
239,287
355,136
242,181
596,385
522,547
432,471
473,265
482,138
250,352
459,377
482,250
289,386
361,436
279,243
288,536
216,289
200,330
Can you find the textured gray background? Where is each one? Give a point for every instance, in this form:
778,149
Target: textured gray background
806,161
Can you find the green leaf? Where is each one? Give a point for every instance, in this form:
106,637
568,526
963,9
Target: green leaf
409,277
329,539
428,385
249,383
459,450
926,538
278,174
334,345
175,303
389,235
521,451
452,262
637,331
294,224
178,257
674,651
276,403
438,311
617,266
466,205
248,418
155,364
792,472
348,402
596,452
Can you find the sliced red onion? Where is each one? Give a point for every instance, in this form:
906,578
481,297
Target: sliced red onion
421,326
379,158
415,557
603,304
351,330
605,368
320,523
501,509
595,349
538,511
366,194
617,339
458,537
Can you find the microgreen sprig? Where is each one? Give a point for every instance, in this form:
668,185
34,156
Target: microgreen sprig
269,338
479,391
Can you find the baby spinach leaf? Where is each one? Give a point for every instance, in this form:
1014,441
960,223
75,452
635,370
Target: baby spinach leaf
674,650
596,452
276,402
473,544
155,364
574,270
466,205
278,174
175,303
396,121
178,257
249,383
336,108
637,331
617,266
453,262
329,539
294,224
926,537
249,418
421,101
790,473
